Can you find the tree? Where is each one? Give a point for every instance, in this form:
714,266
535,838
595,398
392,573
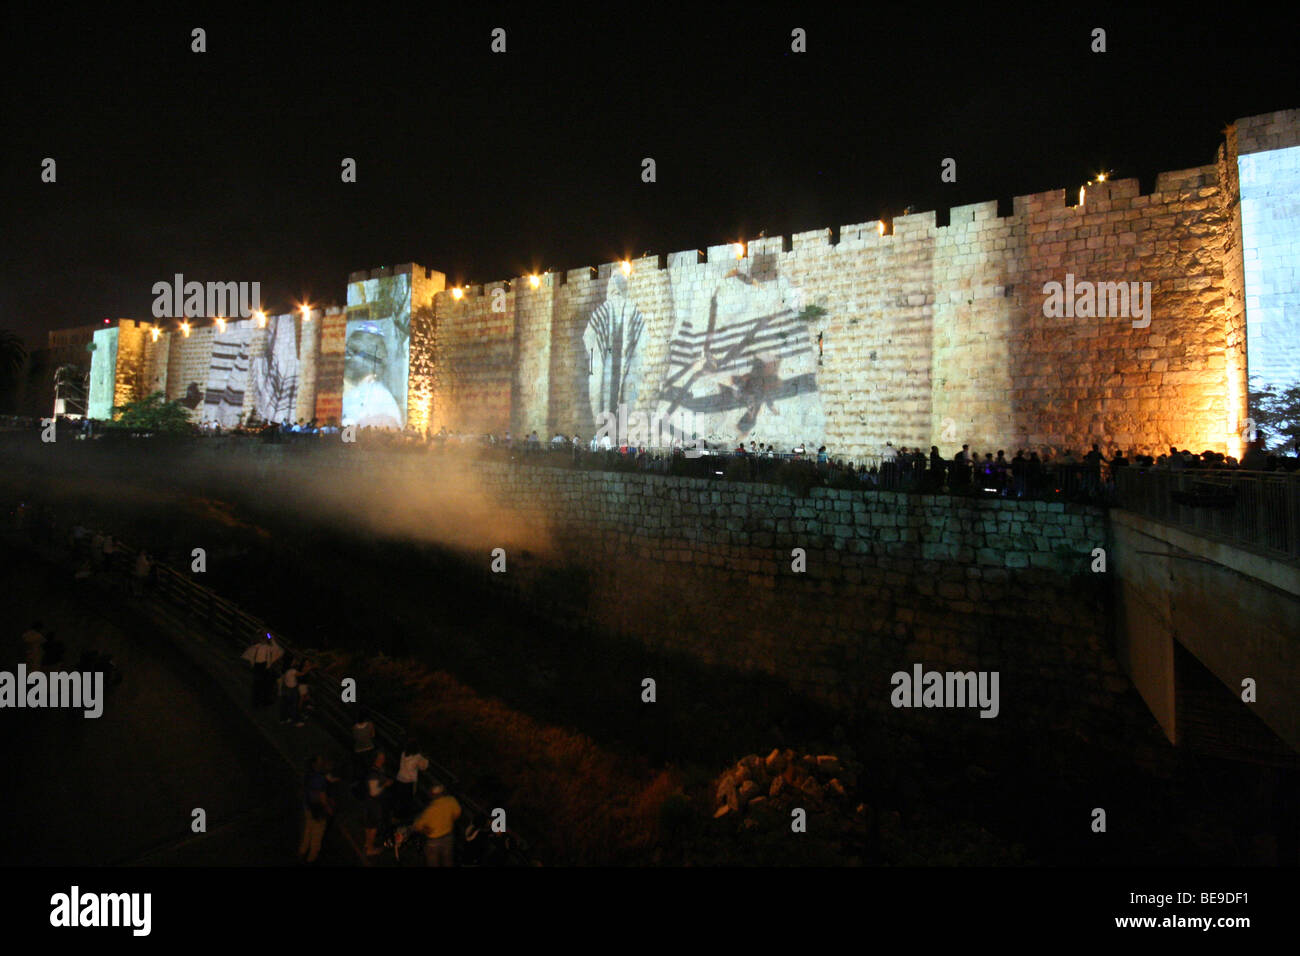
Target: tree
1277,414
12,354
153,414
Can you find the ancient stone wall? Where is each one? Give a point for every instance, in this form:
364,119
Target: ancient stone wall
902,331
905,331
708,569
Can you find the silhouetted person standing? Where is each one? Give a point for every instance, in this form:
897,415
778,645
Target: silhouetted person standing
318,807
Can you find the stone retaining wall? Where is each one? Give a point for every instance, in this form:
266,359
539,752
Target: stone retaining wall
708,569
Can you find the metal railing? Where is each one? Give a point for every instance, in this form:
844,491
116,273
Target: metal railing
1255,510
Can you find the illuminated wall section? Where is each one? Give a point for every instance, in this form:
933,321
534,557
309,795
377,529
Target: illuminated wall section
188,363
274,371
907,332
376,351
422,378
475,362
227,379
329,367
103,374
1270,227
309,352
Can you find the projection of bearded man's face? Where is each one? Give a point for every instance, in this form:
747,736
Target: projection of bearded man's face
366,358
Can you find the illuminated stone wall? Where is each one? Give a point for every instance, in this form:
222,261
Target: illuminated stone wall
188,361
923,335
906,332
309,350
474,362
927,335
422,385
329,367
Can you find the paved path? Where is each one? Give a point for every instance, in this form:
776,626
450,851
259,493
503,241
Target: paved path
121,789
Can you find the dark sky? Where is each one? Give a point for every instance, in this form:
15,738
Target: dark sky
225,166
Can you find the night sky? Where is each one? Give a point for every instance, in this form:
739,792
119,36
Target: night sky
225,166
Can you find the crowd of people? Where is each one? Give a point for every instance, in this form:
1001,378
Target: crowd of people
387,791
1034,473
1028,473
394,814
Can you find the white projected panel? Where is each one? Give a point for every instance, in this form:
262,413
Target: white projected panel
1270,227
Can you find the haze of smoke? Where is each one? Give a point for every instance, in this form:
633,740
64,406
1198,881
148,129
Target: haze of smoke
435,500
441,502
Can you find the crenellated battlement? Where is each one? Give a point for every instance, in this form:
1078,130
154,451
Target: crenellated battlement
895,329
916,226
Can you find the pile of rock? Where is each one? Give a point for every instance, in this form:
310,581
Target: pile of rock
782,780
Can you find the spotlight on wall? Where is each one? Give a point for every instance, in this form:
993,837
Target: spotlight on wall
534,280
739,249
626,267
261,318
306,313
185,329
880,227
153,333
1101,177
457,293
221,324
1083,191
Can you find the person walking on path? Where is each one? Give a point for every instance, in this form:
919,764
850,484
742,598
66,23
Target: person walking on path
363,745
289,693
408,775
304,692
373,809
262,655
437,823
318,807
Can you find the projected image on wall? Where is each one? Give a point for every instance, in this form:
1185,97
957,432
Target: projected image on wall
743,360
103,374
1270,232
376,352
228,375
273,372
